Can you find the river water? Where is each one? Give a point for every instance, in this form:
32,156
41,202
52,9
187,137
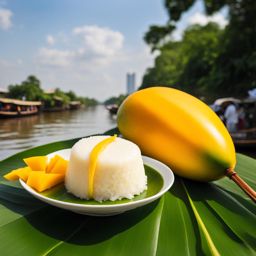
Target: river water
18,134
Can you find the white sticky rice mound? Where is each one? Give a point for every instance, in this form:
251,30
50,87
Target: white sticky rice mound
119,173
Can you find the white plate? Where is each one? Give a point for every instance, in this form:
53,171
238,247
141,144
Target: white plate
107,210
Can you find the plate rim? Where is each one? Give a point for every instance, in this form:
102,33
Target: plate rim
167,184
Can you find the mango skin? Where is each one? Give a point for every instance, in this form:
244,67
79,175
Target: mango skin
179,130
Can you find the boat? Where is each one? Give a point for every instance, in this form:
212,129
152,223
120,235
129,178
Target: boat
112,108
222,101
73,105
245,138
18,108
242,138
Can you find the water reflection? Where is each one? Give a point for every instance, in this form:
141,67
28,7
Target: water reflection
22,133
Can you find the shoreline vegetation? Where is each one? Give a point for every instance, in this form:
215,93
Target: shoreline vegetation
50,100
28,98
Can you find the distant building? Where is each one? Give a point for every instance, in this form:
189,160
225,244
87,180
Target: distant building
130,83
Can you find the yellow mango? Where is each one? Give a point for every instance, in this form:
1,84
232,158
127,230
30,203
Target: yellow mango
39,174
12,175
60,166
18,173
179,130
42,181
94,155
36,163
52,162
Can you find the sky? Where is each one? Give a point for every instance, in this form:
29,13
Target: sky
87,46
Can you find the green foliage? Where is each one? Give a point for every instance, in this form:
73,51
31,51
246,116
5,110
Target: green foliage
220,66
48,100
185,64
29,89
59,93
115,100
235,67
168,67
72,96
87,101
156,35
175,8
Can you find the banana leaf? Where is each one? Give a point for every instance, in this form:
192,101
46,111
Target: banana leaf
191,219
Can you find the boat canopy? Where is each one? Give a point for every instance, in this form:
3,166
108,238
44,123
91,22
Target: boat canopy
74,103
20,102
57,98
221,101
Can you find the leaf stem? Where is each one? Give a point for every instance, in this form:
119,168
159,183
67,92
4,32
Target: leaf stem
242,184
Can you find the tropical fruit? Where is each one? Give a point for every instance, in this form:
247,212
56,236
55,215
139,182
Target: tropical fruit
179,130
39,174
41,181
21,173
36,163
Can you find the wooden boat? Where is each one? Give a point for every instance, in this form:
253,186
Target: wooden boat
18,108
245,138
113,108
74,105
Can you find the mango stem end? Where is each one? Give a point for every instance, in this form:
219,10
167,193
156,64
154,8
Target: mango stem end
241,183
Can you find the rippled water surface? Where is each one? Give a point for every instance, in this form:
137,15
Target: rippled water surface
18,134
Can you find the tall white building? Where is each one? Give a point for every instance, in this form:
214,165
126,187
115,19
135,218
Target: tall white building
130,83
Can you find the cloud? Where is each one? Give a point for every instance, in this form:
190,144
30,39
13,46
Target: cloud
5,19
50,40
99,41
64,69
198,17
202,19
93,62
177,34
95,46
55,57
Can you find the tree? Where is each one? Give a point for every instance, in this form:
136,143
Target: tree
201,46
185,64
59,93
29,89
233,71
88,102
115,100
156,35
72,96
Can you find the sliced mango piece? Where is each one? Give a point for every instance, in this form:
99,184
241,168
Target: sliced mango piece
12,175
23,173
36,163
18,173
41,181
60,166
94,158
52,162
39,174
